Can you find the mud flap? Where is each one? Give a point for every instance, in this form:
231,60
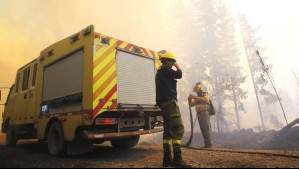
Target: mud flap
79,146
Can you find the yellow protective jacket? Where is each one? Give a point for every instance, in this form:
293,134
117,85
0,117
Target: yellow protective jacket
202,103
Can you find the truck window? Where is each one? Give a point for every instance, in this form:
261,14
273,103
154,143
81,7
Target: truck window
25,79
34,74
17,82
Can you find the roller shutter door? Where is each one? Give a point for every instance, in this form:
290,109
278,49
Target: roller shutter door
64,78
135,80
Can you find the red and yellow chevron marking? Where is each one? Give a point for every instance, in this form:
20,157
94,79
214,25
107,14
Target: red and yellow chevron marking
153,55
104,73
104,77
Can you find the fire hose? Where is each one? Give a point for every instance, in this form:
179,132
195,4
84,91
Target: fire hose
192,126
254,152
191,119
187,145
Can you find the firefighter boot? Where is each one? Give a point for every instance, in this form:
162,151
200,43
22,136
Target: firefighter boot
178,161
167,160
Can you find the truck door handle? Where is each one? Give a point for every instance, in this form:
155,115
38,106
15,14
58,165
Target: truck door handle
25,96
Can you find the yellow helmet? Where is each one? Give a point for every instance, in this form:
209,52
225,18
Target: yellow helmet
167,55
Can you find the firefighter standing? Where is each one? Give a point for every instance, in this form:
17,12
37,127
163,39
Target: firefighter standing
168,103
202,102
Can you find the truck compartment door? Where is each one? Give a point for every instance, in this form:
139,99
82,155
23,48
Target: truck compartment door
135,80
63,80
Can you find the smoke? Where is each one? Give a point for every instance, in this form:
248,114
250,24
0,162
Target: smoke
28,27
274,39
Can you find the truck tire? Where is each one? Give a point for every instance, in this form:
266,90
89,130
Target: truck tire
56,143
125,143
11,138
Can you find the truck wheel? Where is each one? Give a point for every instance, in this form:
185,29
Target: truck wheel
56,143
125,143
11,138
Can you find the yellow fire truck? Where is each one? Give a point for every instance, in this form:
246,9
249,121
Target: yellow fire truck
86,89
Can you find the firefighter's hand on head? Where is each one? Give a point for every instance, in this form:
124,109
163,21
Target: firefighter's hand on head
176,65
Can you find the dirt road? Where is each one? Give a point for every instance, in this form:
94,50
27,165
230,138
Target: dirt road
33,154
